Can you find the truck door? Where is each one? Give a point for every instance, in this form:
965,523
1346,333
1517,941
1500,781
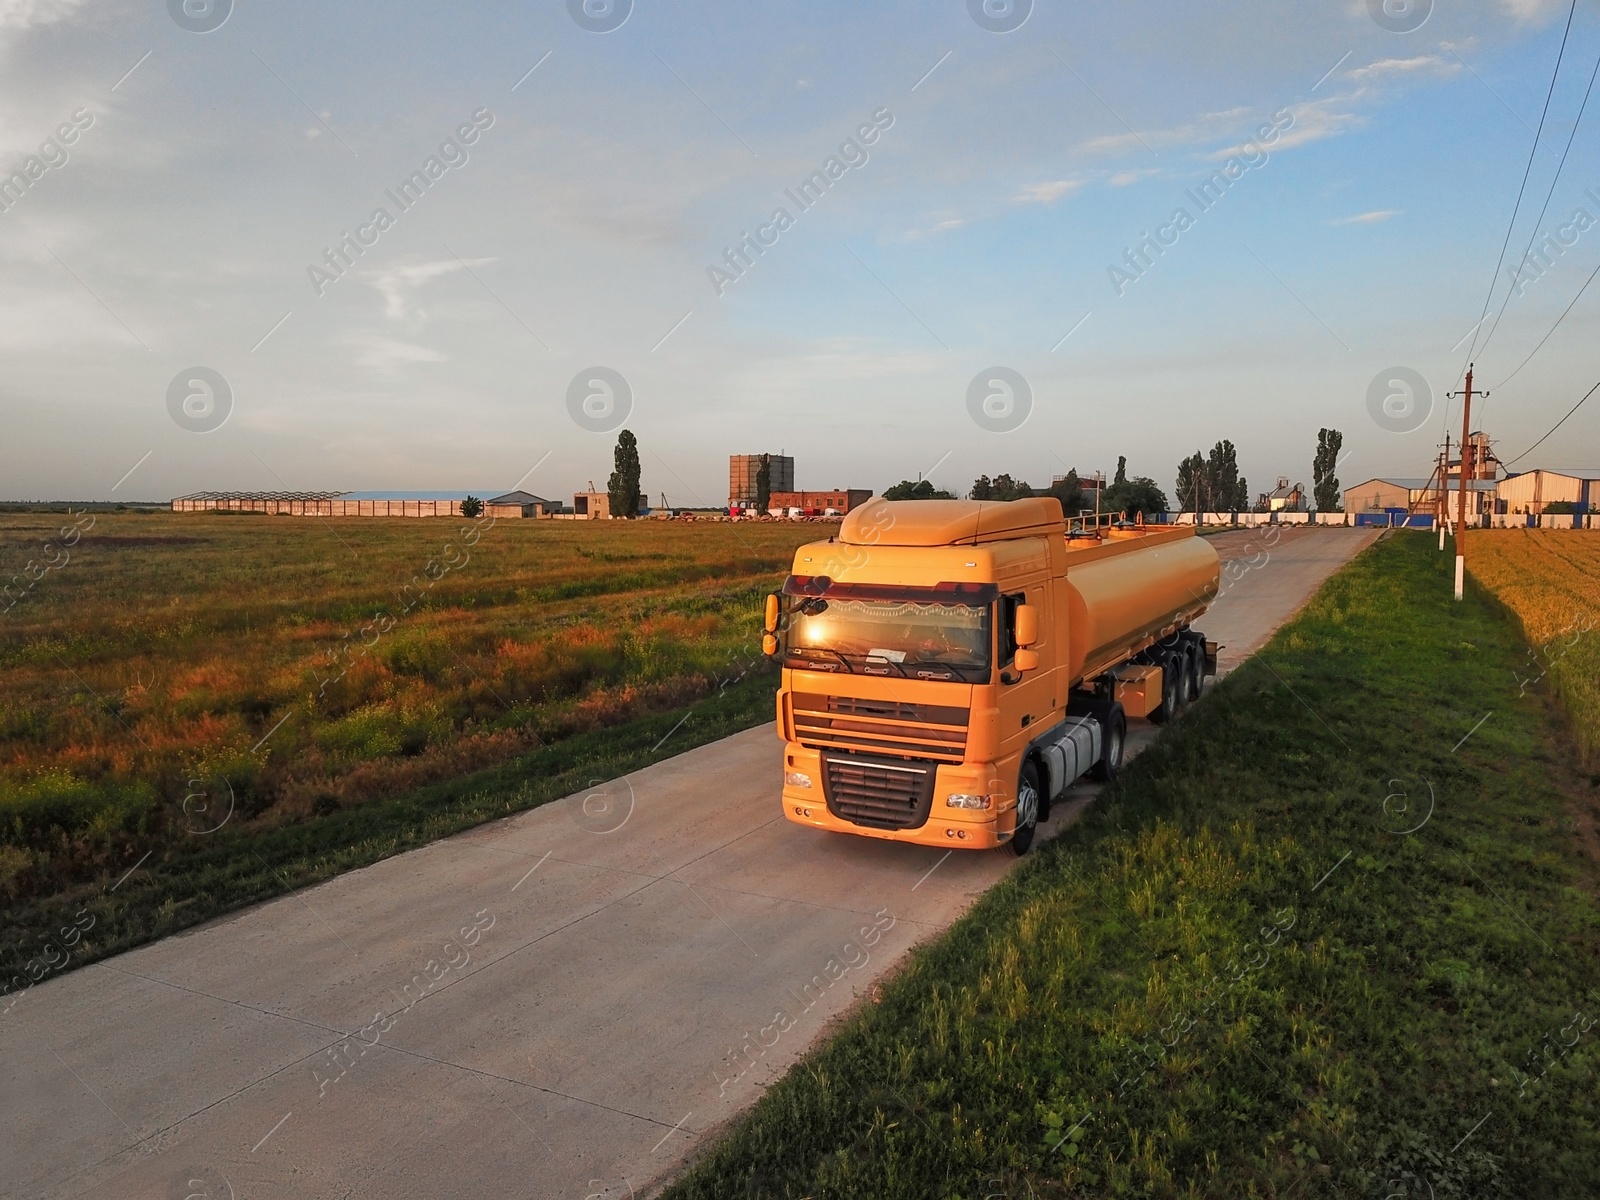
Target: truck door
1027,701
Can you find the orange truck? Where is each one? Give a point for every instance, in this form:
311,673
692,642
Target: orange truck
951,667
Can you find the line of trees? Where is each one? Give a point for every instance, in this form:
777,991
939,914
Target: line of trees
1139,494
1211,482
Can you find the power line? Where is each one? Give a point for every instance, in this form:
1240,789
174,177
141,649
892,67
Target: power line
1557,425
1547,197
1489,298
1553,328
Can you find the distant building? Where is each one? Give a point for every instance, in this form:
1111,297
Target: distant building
1086,483
520,504
596,506
316,504
1408,493
1376,495
819,502
742,472
1534,491
1286,497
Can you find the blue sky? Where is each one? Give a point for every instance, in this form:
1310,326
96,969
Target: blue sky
579,230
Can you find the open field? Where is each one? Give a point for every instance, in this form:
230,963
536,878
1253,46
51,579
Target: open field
181,684
1550,578
603,1027
1328,937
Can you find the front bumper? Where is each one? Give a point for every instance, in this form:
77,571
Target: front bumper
957,828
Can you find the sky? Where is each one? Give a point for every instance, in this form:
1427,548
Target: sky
965,297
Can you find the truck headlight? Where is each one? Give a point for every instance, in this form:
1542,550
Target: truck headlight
966,800
797,779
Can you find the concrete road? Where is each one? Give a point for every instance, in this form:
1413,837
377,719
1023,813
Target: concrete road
564,1003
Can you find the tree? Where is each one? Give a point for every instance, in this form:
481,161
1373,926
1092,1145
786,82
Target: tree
1193,494
623,486
982,489
920,490
1122,470
1139,494
1324,483
471,507
1069,491
1007,488
764,484
1227,489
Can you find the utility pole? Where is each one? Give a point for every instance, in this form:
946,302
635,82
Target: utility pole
1461,498
1444,488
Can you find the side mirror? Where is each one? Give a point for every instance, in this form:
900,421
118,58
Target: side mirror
1026,660
769,644
771,625
1027,625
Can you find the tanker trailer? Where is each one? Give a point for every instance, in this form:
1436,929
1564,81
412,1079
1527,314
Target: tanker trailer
950,667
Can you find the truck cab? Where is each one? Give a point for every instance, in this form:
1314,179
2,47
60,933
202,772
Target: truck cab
949,667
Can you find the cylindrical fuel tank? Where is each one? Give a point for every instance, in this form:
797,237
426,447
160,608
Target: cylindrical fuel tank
1117,600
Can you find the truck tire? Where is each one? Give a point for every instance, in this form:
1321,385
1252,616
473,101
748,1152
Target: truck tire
1174,669
1113,738
1197,671
1029,794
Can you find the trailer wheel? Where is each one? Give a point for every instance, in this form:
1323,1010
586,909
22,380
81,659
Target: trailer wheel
1028,794
1197,671
1174,672
1113,736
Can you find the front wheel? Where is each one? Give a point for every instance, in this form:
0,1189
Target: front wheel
1028,794
1113,738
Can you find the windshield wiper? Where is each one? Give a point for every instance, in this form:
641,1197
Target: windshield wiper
810,650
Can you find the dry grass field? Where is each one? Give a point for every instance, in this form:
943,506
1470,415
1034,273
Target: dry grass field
1550,578
167,672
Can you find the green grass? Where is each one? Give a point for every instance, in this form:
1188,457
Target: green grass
193,877
307,665
1236,976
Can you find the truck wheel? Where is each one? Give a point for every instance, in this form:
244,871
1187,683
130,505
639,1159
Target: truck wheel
1028,793
1197,671
1173,670
1113,736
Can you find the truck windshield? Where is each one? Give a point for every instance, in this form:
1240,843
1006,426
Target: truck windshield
936,639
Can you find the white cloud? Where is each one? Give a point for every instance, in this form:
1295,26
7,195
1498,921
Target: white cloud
1429,63
387,355
22,15
1368,218
1204,128
1047,193
397,284
1530,10
1124,178
1312,122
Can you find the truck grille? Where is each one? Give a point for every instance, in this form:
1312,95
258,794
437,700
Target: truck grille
929,731
882,795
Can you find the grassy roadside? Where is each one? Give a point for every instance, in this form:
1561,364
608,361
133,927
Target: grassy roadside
197,877
1331,936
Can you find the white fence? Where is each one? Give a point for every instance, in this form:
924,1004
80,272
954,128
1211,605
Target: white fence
1249,519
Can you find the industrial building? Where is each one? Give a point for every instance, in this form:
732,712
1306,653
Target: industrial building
521,504
1534,491
361,504
819,503
743,470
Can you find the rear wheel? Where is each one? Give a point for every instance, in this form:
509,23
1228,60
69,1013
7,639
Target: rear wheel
1197,670
1028,793
1174,671
1113,738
